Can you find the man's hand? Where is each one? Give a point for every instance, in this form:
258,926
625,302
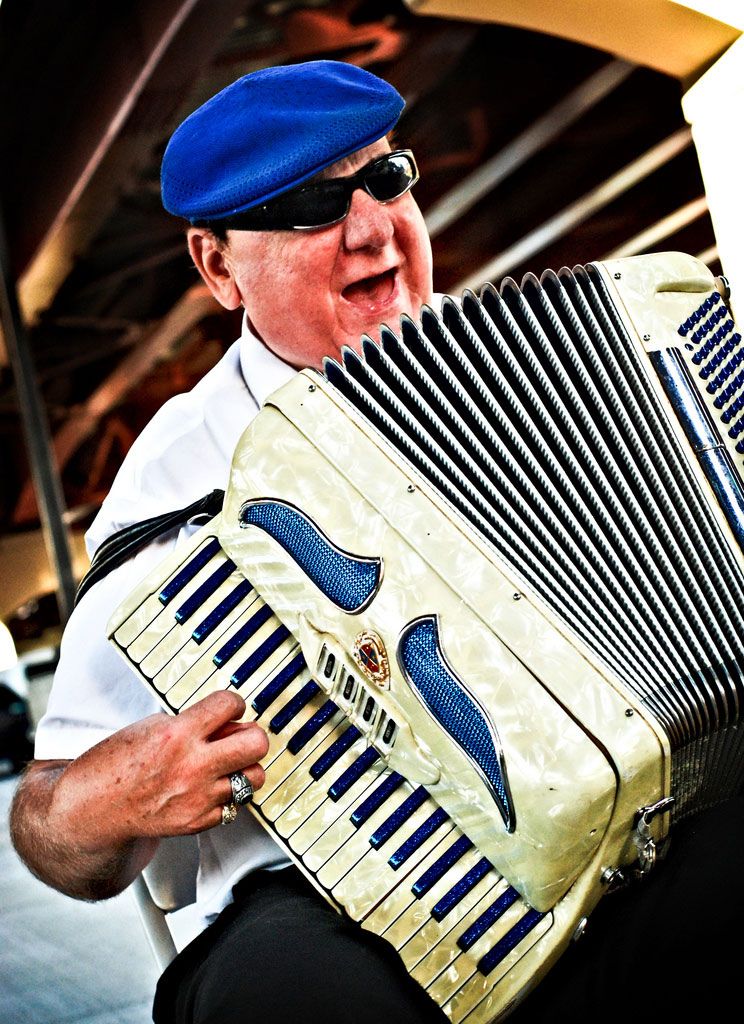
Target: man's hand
167,776
89,826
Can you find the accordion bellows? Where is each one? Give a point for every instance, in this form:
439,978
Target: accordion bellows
483,585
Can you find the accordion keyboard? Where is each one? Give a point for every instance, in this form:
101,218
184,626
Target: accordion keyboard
375,845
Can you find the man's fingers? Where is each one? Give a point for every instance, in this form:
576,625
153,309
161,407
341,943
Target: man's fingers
228,729
243,746
214,711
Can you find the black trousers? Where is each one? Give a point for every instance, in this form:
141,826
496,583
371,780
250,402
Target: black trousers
668,947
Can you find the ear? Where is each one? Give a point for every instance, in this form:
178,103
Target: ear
209,258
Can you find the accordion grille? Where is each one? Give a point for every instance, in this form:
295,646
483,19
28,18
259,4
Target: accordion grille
531,411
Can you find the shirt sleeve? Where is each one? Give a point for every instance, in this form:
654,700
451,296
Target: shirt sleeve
95,692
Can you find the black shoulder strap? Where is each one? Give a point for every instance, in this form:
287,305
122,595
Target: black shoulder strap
125,543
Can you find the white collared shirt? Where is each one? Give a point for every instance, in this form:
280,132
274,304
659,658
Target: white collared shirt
182,454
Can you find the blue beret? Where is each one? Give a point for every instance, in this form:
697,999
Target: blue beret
270,131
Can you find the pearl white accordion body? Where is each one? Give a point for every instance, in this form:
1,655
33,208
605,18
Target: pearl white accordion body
483,586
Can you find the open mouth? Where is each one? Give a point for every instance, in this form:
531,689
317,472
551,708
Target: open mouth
371,291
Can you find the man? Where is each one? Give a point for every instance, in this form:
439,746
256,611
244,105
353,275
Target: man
113,775
300,214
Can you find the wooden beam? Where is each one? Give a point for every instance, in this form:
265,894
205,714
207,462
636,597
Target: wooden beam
658,34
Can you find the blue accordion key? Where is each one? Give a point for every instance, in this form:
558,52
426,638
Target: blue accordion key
373,802
422,833
440,868
352,774
306,732
484,922
391,825
334,752
458,891
293,707
266,696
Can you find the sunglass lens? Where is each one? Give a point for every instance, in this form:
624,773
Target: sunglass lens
390,178
313,206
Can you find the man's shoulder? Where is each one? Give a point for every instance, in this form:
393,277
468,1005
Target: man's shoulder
183,453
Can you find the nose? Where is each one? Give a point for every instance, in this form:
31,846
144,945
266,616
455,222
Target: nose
368,224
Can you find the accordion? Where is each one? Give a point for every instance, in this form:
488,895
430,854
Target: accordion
483,585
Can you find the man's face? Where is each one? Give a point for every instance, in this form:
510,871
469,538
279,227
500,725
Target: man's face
308,293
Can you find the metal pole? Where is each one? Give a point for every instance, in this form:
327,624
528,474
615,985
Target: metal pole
36,429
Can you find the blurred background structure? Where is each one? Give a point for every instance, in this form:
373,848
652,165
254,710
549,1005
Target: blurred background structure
546,134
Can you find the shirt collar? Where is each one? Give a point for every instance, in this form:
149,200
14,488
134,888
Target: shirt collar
262,370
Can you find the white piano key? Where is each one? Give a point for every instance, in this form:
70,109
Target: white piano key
205,668
288,764
220,680
195,657
425,954
150,633
359,844
183,676
275,777
465,964
161,655
151,607
343,831
315,795
372,877
332,756
285,653
292,778
332,812
412,913
479,994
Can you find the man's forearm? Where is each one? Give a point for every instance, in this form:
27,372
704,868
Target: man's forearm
89,826
82,861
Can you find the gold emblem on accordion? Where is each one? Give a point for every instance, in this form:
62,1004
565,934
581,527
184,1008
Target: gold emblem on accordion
370,655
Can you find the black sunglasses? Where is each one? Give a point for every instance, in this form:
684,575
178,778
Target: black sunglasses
322,203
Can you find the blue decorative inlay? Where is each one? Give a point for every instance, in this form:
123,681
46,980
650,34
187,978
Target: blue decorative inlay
422,659
187,573
350,581
512,938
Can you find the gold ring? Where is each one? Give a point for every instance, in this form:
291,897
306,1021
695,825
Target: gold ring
229,814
